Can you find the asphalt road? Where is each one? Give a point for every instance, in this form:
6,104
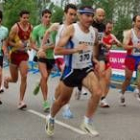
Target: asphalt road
114,123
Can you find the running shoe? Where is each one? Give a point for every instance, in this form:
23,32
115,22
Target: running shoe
67,114
122,100
6,84
88,128
49,128
22,105
137,94
46,106
104,103
37,88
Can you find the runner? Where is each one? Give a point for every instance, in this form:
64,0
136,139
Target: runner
70,13
132,62
105,71
19,41
99,24
3,51
79,40
45,64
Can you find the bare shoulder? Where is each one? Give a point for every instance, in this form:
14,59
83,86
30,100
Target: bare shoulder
14,28
127,33
54,27
69,30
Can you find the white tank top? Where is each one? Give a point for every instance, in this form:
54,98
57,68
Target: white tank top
135,40
82,59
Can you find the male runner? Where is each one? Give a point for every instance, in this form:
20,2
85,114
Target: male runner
107,41
19,39
131,43
98,23
3,44
44,64
77,44
70,13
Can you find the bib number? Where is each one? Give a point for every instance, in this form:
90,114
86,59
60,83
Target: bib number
136,51
100,36
84,57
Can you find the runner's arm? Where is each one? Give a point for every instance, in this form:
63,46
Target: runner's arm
54,27
60,48
116,41
33,44
126,41
5,44
12,34
96,48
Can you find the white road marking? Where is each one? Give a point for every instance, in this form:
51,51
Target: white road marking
58,122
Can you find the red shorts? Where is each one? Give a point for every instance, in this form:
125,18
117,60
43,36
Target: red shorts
18,56
59,62
132,62
107,62
107,65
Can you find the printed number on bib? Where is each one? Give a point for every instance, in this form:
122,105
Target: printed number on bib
136,52
84,57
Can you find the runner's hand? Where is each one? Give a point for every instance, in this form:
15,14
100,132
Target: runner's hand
41,54
138,45
81,47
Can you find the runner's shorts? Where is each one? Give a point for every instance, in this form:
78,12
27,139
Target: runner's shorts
18,56
74,77
49,62
132,62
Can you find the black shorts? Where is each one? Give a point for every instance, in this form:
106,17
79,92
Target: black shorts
35,59
49,62
74,77
1,61
103,58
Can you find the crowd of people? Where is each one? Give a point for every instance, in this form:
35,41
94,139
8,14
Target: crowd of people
79,46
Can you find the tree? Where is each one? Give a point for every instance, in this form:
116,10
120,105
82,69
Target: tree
57,15
87,2
13,7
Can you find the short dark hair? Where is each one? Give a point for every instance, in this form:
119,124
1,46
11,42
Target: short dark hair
84,7
70,6
134,18
23,12
108,21
1,15
45,11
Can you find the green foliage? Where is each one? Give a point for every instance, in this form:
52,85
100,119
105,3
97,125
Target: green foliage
87,2
57,15
123,23
13,7
119,11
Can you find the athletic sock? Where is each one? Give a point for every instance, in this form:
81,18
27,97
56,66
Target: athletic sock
87,120
66,107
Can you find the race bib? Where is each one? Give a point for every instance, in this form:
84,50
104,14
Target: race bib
84,57
100,36
104,50
136,52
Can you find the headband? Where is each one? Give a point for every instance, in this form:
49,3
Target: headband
88,11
